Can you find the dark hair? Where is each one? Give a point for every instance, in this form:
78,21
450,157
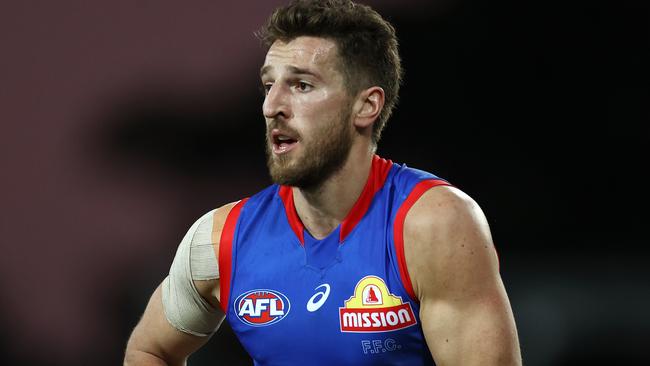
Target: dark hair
367,44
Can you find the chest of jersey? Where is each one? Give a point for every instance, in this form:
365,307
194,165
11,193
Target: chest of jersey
297,300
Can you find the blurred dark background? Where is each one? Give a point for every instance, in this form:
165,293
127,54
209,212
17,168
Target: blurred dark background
124,121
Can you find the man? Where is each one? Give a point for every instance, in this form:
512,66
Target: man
348,258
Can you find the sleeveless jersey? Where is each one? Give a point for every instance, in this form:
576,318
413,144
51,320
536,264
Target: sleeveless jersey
343,300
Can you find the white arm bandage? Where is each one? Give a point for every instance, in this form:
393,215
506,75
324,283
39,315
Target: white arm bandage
195,259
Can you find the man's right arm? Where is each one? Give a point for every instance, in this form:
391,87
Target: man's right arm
154,340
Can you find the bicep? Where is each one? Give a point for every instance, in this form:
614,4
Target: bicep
187,298
474,330
184,310
464,309
154,338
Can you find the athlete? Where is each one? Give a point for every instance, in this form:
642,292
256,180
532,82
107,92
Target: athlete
349,258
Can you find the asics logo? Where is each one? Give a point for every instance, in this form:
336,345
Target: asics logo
319,298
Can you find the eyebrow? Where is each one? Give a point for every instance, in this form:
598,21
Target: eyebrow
292,69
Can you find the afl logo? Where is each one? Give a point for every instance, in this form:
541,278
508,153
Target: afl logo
260,308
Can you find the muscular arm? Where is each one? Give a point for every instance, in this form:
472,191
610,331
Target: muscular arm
465,313
154,341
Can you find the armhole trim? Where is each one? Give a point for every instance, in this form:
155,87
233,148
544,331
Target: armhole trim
225,254
398,229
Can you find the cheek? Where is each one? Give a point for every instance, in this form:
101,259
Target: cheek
318,106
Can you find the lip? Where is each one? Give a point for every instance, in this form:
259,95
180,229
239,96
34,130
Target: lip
279,147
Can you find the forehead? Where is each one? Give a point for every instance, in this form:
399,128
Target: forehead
303,52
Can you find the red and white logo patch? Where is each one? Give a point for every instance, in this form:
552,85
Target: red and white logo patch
260,308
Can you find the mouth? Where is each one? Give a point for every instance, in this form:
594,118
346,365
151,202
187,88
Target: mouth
282,142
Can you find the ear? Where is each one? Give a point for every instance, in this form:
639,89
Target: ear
368,105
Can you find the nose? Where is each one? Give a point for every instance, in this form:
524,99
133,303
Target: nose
276,103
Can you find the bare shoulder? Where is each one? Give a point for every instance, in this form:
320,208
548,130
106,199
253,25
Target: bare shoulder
464,309
446,235
444,216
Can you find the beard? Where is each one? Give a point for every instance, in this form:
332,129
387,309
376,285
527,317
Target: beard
323,155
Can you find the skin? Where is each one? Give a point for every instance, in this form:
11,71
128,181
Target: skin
154,342
464,310
319,107
308,113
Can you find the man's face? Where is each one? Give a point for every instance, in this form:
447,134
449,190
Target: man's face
307,111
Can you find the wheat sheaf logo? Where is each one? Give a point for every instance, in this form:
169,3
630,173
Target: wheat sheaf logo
373,308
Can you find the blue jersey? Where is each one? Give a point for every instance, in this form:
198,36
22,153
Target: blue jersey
343,300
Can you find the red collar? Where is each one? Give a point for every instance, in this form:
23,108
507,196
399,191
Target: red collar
378,173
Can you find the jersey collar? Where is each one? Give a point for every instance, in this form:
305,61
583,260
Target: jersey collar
378,173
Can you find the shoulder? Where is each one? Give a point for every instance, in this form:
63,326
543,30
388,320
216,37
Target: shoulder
446,234
202,238
218,220
206,240
443,208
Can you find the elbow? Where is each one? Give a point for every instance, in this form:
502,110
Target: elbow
142,358
134,356
129,358
131,355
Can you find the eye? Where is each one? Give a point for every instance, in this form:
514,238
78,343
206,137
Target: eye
303,86
265,88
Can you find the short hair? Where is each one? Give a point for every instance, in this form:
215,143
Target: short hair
366,42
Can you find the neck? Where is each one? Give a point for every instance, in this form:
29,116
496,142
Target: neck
323,208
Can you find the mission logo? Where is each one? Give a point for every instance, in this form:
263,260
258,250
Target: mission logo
260,308
373,308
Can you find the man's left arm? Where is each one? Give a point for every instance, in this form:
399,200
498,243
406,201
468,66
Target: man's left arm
464,309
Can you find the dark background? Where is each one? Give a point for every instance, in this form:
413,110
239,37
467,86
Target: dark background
124,121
